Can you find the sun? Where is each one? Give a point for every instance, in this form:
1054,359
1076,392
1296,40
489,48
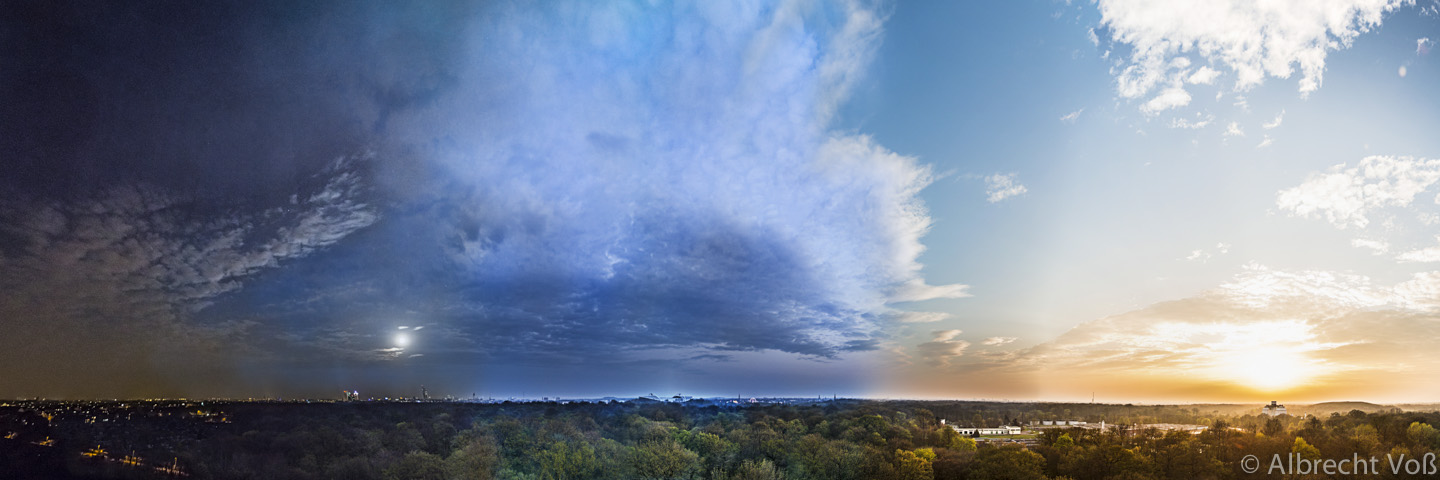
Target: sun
1269,369
402,340
1268,356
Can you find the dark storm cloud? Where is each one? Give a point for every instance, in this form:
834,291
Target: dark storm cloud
215,98
563,186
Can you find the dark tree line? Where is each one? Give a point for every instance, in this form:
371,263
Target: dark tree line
840,440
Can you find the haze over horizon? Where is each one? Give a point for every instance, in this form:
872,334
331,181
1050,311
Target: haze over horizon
1161,202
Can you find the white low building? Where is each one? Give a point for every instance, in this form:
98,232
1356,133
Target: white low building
984,431
1273,409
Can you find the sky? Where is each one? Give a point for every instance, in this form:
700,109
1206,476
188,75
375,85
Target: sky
1183,201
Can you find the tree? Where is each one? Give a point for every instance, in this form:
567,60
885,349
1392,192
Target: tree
962,444
761,470
1422,434
417,466
359,468
404,438
815,457
715,451
476,459
1273,427
563,461
1064,442
1304,450
1007,463
1366,439
1188,458
1103,461
945,435
662,460
1219,428
952,465
914,464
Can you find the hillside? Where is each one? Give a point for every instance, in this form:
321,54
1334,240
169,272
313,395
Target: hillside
1326,408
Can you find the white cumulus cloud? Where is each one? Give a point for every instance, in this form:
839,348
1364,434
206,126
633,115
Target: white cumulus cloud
1344,196
1251,40
1169,98
1376,246
1204,76
1422,255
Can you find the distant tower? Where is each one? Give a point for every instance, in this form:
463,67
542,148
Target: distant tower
425,394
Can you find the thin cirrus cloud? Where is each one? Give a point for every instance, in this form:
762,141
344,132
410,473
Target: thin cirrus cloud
1001,186
1244,41
1204,255
921,317
1198,123
944,347
1279,118
145,261
996,341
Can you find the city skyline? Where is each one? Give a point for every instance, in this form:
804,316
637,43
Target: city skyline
1188,202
